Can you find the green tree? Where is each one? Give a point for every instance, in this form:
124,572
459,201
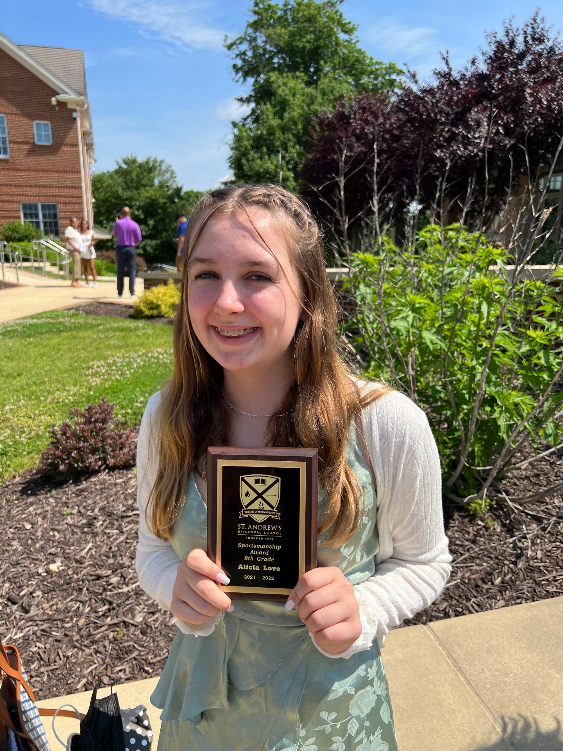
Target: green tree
300,56
150,188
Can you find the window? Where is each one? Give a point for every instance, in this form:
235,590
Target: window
4,150
554,183
554,201
42,129
44,216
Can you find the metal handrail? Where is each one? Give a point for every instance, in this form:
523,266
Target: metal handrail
62,255
37,256
13,260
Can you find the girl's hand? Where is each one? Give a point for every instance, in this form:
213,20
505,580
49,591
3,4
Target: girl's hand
326,604
196,597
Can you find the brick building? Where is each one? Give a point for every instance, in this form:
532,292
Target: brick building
46,143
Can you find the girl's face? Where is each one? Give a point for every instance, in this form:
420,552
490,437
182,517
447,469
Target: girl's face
84,227
241,307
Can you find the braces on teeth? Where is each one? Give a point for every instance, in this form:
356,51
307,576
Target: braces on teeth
240,332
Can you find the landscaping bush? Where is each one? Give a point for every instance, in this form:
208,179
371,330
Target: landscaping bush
15,232
91,441
158,301
481,354
111,257
105,268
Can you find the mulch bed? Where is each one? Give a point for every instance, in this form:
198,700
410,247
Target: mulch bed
115,311
513,555
7,285
69,598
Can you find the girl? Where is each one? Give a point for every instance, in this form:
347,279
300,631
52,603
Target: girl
256,364
88,252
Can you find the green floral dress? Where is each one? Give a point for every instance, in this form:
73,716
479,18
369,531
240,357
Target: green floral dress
258,682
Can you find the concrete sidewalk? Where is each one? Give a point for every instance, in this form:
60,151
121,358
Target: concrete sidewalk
486,682
37,294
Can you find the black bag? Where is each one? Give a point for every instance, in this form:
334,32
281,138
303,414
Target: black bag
101,728
107,728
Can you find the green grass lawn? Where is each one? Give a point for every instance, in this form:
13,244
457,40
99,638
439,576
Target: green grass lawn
57,360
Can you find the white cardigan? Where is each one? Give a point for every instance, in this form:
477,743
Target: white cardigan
412,565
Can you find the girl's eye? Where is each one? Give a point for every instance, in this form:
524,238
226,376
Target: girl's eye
206,275
259,278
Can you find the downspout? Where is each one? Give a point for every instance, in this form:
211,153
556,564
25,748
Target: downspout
79,131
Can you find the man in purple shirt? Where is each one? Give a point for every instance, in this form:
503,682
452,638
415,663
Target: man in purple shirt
128,236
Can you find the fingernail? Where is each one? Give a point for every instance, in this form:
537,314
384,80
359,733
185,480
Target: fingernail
230,609
222,578
289,605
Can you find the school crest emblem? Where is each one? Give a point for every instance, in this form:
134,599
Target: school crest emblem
260,495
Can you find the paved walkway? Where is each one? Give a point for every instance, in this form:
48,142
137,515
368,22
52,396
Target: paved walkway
37,294
486,682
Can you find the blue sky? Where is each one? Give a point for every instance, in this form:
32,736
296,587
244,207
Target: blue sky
160,83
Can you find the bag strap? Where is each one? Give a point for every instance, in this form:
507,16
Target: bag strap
54,713
364,448
15,673
60,713
6,723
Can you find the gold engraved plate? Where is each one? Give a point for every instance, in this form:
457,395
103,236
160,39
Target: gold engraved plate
262,518
260,495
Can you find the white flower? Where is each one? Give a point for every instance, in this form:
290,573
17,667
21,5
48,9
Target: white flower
362,702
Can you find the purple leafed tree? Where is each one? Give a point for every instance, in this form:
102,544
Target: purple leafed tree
498,120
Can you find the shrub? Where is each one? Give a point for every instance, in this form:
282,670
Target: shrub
88,442
107,255
15,232
111,256
480,352
105,268
158,301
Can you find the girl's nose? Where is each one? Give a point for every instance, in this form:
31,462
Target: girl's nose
228,300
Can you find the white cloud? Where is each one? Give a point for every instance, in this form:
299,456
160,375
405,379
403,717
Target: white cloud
175,22
230,109
392,36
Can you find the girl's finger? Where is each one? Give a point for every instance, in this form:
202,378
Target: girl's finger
198,561
311,580
315,600
207,590
340,635
187,592
325,618
185,612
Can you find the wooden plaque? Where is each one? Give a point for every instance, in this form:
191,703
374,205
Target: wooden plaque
262,518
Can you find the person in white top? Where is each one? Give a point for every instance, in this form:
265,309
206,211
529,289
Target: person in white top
257,364
74,246
88,252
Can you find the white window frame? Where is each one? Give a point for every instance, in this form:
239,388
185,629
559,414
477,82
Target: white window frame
554,193
5,156
35,133
39,204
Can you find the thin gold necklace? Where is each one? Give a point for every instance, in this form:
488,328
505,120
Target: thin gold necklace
247,414
232,406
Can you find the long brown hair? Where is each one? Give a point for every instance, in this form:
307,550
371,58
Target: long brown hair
320,404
